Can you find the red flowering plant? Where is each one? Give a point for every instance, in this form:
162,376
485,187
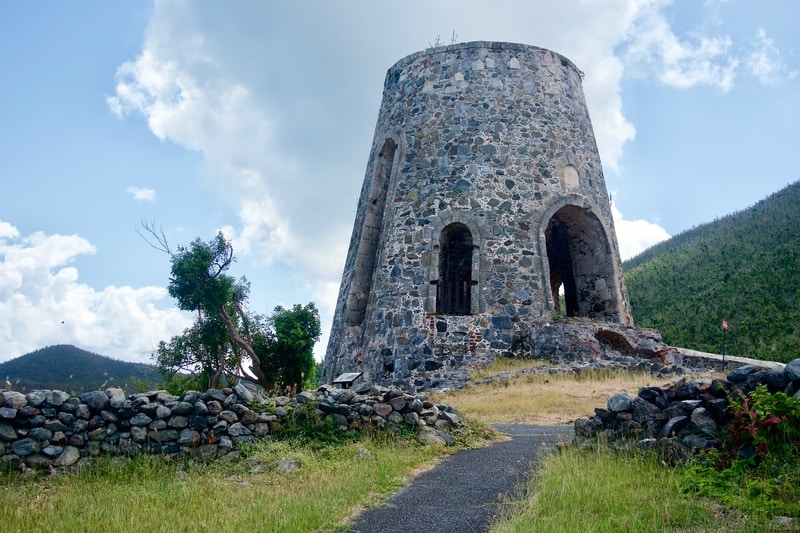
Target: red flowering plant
757,467
762,424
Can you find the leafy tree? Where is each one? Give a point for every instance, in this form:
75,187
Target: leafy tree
225,339
200,283
203,349
286,351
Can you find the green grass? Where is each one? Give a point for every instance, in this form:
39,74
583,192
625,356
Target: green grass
147,494
607,491
602,490
574,490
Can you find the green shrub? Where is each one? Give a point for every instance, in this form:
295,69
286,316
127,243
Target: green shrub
756,469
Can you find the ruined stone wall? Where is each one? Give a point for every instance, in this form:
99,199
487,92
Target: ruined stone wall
51,429
684,418
491,143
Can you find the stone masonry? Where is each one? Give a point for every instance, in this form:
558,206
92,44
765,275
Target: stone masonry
483,200
683,418
49,429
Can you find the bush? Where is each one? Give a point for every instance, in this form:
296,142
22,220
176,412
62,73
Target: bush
756,468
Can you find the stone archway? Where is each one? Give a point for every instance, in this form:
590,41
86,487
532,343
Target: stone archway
581,264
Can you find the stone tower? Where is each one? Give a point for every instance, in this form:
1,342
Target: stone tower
483,213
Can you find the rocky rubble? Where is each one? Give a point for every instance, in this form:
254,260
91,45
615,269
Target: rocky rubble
684,417
51,429
570,346
607,344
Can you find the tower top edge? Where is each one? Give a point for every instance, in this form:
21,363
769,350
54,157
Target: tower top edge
488,45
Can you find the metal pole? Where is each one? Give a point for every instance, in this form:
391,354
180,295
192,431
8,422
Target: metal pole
724,329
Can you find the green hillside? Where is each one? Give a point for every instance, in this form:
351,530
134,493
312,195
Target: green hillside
73,370
744,268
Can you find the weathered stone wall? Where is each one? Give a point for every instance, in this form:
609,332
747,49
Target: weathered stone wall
50,429
491,142
684,417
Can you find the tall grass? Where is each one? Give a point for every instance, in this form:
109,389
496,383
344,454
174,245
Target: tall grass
148,494
594,490
574,490
602,490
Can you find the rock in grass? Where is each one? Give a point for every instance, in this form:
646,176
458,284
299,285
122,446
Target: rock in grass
431,437
286,465
620,402
792,370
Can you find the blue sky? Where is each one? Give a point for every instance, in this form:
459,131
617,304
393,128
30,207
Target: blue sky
257,118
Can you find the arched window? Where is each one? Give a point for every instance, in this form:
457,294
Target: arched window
454,288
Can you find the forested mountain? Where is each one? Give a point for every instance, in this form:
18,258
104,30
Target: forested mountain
743,268
68,368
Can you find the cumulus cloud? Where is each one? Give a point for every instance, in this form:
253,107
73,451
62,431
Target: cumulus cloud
654,50
141,194
7,230
703,56
635,236
188,98
277,136
43,303
765,63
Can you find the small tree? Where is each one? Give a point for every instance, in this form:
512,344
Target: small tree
225,339
203,349
200,284
286,351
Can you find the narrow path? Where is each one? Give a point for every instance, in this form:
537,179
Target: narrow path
461,493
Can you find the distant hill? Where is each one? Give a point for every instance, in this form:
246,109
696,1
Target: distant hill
68,368
743,268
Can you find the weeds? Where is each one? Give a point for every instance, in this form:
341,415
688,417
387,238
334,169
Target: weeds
604,490
152,494
757,468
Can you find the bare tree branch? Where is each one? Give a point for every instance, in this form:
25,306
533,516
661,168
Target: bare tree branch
153,236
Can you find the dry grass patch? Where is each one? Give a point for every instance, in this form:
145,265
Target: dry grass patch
503,365
549,399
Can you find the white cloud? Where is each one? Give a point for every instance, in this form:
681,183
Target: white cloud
43,303
654,50
635,236
188,98
765,63
7,230
141,194
703,56
269,117
325,295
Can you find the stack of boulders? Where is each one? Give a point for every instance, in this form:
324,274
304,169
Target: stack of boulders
51,429
682,418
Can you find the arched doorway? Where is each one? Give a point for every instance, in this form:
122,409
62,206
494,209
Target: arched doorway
454,287
581,265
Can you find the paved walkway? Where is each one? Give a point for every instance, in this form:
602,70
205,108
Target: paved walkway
460,494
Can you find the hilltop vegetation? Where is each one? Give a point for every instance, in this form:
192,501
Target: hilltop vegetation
743,268
68,368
